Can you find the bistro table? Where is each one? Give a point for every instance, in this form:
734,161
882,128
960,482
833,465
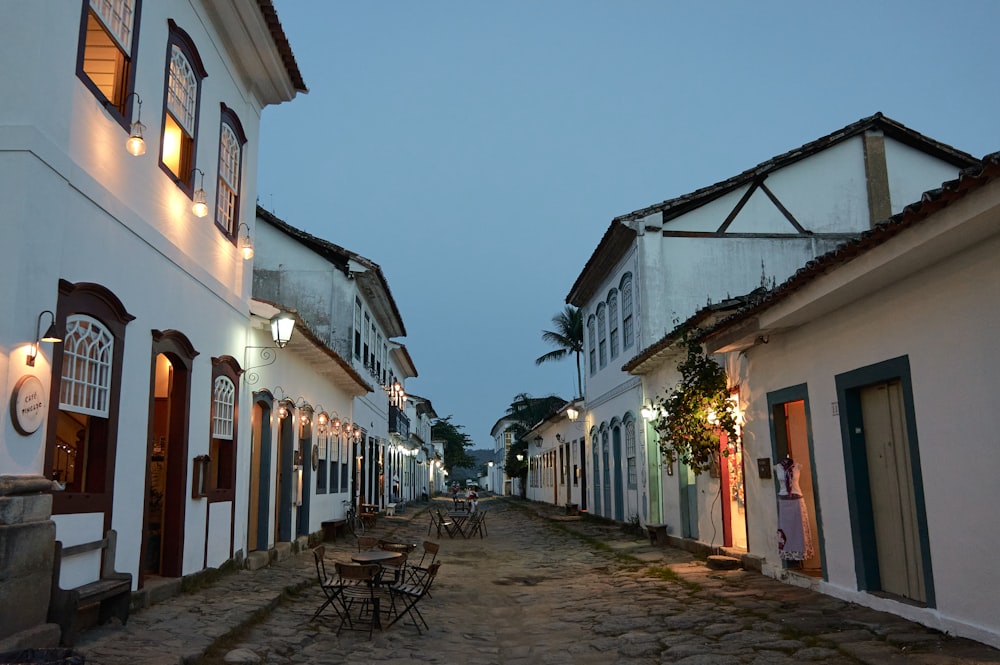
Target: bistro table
375,556
459,517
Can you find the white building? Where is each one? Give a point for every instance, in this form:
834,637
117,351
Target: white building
872,368
345,298
657,266
137,262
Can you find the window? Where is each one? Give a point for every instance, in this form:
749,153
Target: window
322,467
345,460
630,450
592,343
367,338
227,206
222,446
602,332
104,56
180,107
379,350
357,328
628,335
370,361
385,360
613,321
82,433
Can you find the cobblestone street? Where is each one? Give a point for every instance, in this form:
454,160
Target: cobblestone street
542,588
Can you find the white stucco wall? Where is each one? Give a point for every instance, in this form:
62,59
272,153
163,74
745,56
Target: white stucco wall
944,319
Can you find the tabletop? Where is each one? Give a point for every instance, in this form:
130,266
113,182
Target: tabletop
374,556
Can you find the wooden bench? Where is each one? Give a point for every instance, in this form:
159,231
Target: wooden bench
330,529
113,591
657,534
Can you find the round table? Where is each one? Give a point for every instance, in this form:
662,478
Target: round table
375,556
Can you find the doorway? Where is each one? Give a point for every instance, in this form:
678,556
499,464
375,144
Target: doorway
284,485
167,456
884,480
260,481
792,439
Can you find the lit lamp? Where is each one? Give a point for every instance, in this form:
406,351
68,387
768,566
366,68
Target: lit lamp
199,206
245,243
572,414
647,412
281,329
520,457
135,144
52,334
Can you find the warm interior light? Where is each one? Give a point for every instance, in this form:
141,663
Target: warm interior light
172,145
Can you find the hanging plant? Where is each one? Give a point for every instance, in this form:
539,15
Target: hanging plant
696,412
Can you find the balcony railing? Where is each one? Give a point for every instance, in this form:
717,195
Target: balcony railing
398,422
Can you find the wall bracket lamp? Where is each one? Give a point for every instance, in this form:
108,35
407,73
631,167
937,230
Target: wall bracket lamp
136,145
572,414
538,441
245,243
199,205
281,331
52,334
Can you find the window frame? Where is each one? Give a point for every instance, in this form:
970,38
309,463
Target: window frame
630,451
602,335
224,465
102,305
627,302
613,322
592,343
229,119
187,161
120,110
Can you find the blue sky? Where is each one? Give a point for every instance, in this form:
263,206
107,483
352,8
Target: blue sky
478,150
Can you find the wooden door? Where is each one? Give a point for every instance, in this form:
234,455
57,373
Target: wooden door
890,477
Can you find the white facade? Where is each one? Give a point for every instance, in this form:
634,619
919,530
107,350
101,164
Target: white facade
660,265
107,243
906,323
345,298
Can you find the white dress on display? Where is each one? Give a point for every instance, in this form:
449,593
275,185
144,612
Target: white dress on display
794,540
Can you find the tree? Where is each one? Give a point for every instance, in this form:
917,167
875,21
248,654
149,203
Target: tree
568,336
455,443
526,411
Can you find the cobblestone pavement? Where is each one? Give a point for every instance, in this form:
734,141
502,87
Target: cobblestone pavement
540,588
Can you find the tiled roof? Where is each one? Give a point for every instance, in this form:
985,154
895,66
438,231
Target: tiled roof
932,201
281,42
611,245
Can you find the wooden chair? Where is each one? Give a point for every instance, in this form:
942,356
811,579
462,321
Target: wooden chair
394,569
415,573
475,525
409,595
450,527
355,586
366,543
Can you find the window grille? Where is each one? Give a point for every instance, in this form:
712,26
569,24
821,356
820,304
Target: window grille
88,350
116,15
627,322
229,178
182,90
223,408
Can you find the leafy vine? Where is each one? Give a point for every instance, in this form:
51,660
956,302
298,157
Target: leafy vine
693,415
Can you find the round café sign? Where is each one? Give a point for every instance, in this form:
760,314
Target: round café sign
27,404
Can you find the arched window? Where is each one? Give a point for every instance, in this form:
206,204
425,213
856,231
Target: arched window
231,141
225,409
592,343
613,321
602,332
630,458
81,434
628,325
180,108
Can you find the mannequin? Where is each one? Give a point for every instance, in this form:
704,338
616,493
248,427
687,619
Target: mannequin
794,540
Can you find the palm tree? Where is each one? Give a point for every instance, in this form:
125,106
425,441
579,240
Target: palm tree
568,336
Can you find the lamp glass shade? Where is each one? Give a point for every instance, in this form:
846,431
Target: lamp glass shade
135,144
572,413
281,329
200,205
246,247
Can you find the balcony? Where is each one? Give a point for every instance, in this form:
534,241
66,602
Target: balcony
398,422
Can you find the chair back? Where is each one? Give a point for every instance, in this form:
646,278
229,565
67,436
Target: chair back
402,548
318,554
367,543
357,572
428,580
432,549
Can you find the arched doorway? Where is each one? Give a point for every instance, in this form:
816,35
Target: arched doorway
260,472
167,455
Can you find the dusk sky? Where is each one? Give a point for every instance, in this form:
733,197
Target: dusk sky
478,150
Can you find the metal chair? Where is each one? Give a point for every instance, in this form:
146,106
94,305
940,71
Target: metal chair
410,595
328,584
415,572
355,586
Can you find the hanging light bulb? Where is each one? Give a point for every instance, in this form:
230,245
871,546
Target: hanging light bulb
199,205
245,243
136,145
